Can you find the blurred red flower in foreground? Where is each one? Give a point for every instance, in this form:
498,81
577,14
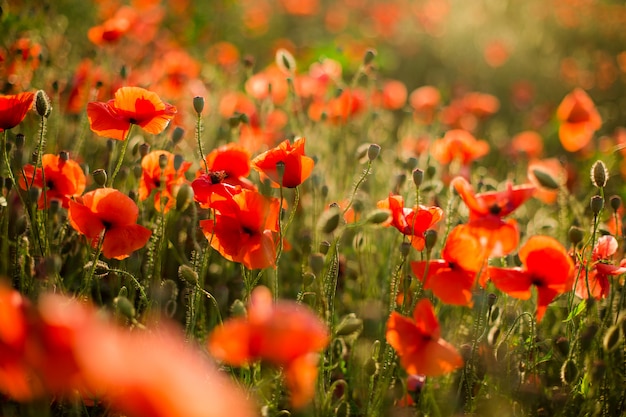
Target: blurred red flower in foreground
578,119
497,236
111,215
243,229
297,166
13,109
419,344
64,347
64,179
164,180
595,282
451,279
284,333
131,105
411,222
546,265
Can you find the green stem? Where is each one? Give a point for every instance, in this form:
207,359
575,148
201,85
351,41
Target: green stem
94,265
199,140
120,159
361,180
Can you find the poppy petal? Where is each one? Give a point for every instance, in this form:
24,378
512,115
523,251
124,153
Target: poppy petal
120,242
513,281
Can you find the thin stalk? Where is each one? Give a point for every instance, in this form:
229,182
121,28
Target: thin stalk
120,158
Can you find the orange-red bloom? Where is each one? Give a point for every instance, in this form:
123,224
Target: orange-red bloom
486,212
459,145
13,109
546,265
451,279
285,334
595,282
578,119
411,222
109,214
114,28
419,344
165,181
64,179
131,105
244,229
297,166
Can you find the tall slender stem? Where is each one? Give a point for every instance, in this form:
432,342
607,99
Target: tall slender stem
120,158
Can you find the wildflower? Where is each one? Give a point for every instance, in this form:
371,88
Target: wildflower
64,179
131,105
425,100
297,166
459,145
411,222
451,279
595,281
114,28
13,109
108,214
529,143
419,344
164,180
284,333
546,265
497,236
243,229
548,176
578,119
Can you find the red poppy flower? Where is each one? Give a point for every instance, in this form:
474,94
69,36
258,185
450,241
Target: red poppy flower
297,166
284,333
226,168
131,105
419,344
546,265
486,212
244,229
596,282
13,109
425,100
64,178
114,28
165,181
411,222
112,213
578,119
458,144
451,279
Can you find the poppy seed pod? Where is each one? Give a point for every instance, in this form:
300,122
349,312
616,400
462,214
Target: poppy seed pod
599,174
19,141
418,177
198,104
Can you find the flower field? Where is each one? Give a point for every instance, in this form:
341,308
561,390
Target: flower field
312,208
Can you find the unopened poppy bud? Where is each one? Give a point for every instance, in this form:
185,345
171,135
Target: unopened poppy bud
587,336
430,237
411,163
569,372
316,262
163,160
405,249
599,174
612,339
184,197
169,289
324,247
137,171
54,205
349,325
285,61
378,216
329,220
575,235
198,104
19,141
418,177
616,202
324,191
597,203
369,56
34,193
238,309
42,104
144,149
234,121
371,367
125,307
491,299
243,118
431,171
399,181
177,135
188,274
178,161
545,180
373,151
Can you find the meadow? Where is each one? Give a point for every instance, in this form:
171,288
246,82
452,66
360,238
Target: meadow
312,208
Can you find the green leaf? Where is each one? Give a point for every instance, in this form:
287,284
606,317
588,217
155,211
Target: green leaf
576,312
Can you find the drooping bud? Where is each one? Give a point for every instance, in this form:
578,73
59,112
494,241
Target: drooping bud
316,262
378,216
599,174
569,372
184,197
188,274
329,219
349,325
238,309
545,180
430,236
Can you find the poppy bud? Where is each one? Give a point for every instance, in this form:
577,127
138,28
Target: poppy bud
615,201
599,174
234,121
597,203
178,161
377,216
575,235
612,339
144,149
349,325
169,289
569,372
324,247
545,180
163,160
125,307
371,367
369,56
399,181
329,220
562,345
431,171
188,274
53,206
138,171
198,104
19,141
123,72
64,156
280,171
373,151
285,61
238,309
42,104
184,197
430,237
316,262
418,177
411,163
405,249
177,134
491,299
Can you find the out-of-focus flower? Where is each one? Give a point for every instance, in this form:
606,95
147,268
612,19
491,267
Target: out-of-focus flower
64,179
164,180
578,120
545,174
546,265
13,109
111,215
425,101
114,28
131,105
419,344
284,333
595,282
296,166
529,143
